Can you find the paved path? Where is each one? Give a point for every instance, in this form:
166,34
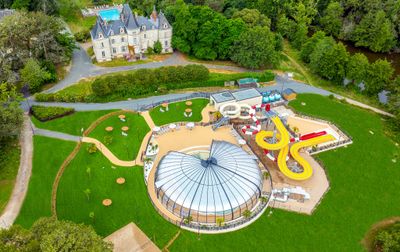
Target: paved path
56,134
281,84
82,67
14,205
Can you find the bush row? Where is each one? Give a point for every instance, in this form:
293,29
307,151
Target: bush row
44,114
144,81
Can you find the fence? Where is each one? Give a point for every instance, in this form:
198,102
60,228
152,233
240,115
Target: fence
188,97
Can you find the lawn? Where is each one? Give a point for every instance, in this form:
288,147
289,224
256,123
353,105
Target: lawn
71,124
48,156
176,112
123,147
130,202
364,190
9,163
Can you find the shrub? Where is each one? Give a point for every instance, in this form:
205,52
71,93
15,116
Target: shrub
108,140
92,148
82,36
43,113
149,50
100,87
157,47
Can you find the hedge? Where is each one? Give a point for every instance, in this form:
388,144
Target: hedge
44,114
145,81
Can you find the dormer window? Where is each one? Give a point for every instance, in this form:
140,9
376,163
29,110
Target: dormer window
121,30
101,35
143,27
165,26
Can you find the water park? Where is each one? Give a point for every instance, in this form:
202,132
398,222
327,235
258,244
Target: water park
248,152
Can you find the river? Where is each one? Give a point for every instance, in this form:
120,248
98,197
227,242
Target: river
393,58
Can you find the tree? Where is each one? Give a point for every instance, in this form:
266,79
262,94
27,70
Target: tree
309,46
329,59
388,239
246,213
10,112
375,31
50,234
299,37
332,19
49,7
252,18
87,192
34,75
357,67
57,235
25,36
220,221
256,48
378,76
17,238
157,47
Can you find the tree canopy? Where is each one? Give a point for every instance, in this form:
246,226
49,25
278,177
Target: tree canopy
10,111
256,48
49,234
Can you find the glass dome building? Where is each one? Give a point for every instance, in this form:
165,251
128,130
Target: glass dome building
223,185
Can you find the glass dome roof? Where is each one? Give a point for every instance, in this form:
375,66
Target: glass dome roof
229,178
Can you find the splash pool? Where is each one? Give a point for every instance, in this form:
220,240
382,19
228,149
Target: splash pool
109,15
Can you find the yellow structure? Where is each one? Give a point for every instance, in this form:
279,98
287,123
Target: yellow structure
283,145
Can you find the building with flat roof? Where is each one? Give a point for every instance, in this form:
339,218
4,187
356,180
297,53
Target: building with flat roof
247,83
249,96
289,94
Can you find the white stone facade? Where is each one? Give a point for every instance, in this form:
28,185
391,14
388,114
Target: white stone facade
131,35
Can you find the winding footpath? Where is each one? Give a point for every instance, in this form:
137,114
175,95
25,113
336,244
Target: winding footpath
16,200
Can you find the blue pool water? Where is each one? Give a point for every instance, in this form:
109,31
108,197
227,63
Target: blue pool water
109,15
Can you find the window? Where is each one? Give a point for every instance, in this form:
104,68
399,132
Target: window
166,43
165,25
123,48
114,50
134,41
103,54
100,35
121,30
144,35
102,45
112,41
122,39
143,27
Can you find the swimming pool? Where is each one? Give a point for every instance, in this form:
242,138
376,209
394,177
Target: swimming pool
110,14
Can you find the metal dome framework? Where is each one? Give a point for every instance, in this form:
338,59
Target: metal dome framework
222,186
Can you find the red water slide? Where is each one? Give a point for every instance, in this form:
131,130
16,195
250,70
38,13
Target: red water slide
312,135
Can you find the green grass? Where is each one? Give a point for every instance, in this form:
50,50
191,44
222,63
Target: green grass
48,156
176,111
9,162
71,124
364,190
121,62
130,202
123,147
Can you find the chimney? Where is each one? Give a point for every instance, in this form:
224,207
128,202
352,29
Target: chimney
154,14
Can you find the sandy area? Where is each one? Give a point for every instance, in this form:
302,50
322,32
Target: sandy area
131,239
316,186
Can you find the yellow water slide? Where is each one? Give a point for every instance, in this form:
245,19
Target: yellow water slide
283,136
294,152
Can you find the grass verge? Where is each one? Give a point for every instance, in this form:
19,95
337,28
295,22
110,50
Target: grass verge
176,112
10,152
48,156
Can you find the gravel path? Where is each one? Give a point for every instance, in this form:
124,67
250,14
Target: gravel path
56,134
14,205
